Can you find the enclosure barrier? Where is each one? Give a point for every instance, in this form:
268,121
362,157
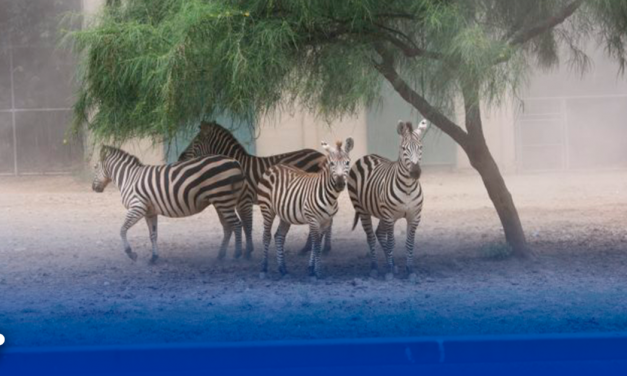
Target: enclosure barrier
575,354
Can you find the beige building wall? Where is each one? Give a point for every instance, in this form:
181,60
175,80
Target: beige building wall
289,131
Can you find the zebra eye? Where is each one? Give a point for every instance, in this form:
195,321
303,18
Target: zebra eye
347,163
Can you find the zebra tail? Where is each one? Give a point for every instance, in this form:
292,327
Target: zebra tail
355,221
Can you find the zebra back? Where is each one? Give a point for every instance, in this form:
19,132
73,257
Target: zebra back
174,190
295,194
215,139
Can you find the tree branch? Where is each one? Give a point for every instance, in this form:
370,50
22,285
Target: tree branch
546,24
386,68
408,50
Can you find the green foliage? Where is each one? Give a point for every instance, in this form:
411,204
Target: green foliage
152,67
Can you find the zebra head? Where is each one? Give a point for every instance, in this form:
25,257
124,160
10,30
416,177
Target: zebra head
410,151
101,177
339,162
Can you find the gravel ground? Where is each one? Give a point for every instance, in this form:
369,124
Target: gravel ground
64,279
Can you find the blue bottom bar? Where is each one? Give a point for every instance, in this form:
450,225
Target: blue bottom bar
601,354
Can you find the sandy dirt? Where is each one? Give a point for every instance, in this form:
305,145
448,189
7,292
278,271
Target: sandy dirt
64,279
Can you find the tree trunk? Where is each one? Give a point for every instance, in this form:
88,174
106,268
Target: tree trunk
481,159
473,143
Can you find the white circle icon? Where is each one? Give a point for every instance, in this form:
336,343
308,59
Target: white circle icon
1,339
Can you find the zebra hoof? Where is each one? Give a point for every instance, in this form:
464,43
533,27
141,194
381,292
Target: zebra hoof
304,251
153,259
389,276
248,255
413,278
313,279
132,255
374,273
221,255
263,275
237,255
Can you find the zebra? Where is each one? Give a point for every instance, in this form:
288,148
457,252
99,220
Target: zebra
173,190
302,198
389,191
215,139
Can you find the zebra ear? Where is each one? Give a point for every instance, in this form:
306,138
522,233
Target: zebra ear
348,146
421,127
400,128
403,127
325,146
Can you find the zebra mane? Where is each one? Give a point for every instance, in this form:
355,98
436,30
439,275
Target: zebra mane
209,130
107,151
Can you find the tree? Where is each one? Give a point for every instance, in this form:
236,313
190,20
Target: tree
153,67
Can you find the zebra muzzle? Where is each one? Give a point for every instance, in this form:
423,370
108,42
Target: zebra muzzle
340,184
415,171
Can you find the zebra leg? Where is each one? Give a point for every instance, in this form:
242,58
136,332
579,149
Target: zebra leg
245,210
226,237
230,223
382,234
366,222
409,244
314,259
151,221
327,238
132,217
307,248
327,242
387,242
268,220
390,252
279,240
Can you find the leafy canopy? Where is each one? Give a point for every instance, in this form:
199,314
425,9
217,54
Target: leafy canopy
153,67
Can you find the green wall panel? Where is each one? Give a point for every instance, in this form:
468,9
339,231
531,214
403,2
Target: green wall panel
242,131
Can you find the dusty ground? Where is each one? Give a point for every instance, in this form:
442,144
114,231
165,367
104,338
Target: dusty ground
64,278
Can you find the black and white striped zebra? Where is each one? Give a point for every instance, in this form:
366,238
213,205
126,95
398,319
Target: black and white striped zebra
214,139
390,191
174,190
302,198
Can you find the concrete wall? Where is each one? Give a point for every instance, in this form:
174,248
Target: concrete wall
571,121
